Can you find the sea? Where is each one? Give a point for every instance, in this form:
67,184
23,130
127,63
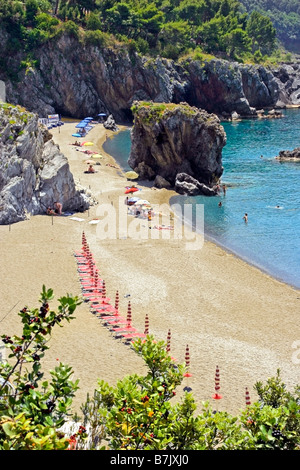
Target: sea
257,184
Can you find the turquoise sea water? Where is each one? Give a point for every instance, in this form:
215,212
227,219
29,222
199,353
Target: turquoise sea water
256,185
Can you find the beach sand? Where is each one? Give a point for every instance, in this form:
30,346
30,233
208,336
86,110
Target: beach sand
229,313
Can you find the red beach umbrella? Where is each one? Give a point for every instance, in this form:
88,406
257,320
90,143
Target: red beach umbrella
128,325
129,315
131,190
117,301
146,331
187,362
247,397
168,349
169,341
217,396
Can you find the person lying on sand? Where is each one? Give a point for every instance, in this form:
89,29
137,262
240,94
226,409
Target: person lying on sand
57,209
113,166
50,211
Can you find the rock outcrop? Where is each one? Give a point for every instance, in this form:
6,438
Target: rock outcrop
33,172
78,80
177,144
293,155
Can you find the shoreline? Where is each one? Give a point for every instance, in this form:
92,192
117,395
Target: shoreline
255,265
229,313
208,238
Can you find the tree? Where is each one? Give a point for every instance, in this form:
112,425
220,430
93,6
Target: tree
261,32
237,42
32,410
32,9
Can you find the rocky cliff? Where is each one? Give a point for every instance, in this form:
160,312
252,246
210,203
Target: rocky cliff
177,143
33,172
73,79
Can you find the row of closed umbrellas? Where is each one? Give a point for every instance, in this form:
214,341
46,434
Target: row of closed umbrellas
94,292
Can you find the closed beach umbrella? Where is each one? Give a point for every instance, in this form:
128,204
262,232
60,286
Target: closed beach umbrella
187,362
131,175
169,341
247,397
146,332
217,396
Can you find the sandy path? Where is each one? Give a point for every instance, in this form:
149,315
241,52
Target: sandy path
228,312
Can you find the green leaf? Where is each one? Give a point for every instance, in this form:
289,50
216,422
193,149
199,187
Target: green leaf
9,429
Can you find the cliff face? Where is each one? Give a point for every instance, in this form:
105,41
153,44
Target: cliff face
171,140
33,172
77,80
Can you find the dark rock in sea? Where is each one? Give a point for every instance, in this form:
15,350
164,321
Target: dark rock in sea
187,185
293,155
169,139
33,172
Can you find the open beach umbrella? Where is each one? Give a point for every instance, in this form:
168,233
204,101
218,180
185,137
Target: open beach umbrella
142,202
97,155
131,175
87,143
133,199
131,190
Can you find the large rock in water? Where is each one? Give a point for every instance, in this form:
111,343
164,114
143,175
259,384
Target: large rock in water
169,140
33,172
293,155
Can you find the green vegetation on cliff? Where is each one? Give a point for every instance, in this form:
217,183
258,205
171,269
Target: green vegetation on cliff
149,111
169,28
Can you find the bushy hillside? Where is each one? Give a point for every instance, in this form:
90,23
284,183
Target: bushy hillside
285,16
169,28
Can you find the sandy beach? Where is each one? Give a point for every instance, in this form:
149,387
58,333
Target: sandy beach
228,312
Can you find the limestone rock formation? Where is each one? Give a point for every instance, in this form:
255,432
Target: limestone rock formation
78,80
33,172
293,155
169,139
110,123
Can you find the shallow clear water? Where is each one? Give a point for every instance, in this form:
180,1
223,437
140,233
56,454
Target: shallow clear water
256,185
